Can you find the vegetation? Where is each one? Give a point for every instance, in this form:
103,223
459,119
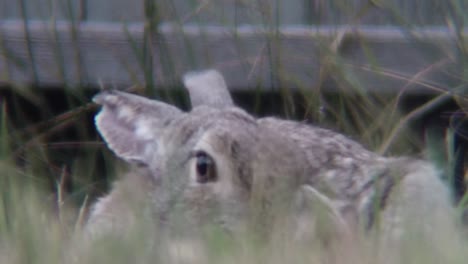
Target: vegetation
53,165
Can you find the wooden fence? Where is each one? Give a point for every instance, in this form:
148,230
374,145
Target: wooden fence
267,44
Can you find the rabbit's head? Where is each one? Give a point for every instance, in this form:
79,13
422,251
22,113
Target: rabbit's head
214,164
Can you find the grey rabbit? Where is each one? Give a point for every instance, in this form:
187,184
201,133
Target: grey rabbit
218,165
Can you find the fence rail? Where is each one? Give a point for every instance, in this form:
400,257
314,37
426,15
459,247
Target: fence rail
224,12
384,59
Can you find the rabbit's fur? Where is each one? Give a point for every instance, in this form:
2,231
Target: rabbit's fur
259,170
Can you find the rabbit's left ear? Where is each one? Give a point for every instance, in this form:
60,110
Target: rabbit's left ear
131,125
207,88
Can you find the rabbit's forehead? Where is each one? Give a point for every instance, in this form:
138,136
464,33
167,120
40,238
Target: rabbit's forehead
193,126
231,128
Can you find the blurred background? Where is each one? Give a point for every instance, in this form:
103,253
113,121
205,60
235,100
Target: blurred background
391,74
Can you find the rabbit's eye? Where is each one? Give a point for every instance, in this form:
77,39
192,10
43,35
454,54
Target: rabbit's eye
205,167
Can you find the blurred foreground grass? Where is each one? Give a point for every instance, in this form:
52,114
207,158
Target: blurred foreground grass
36,227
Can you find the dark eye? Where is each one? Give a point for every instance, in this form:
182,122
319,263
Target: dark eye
205,168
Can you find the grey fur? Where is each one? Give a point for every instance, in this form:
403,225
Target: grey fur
260,163
207,88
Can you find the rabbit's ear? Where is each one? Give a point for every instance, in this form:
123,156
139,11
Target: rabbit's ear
207,88
131,124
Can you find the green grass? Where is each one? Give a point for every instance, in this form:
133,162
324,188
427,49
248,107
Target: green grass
38,228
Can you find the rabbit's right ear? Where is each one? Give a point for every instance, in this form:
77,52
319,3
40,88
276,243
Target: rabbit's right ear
131,125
